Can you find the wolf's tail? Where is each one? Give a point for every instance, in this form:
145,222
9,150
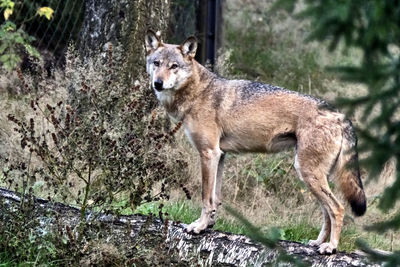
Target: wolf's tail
348,171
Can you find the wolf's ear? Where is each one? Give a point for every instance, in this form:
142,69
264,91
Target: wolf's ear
189,47
152,41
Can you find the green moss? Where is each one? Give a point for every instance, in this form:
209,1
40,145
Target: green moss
304,231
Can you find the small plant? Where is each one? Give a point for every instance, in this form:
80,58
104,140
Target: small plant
104,144
276,173
14,40
24,239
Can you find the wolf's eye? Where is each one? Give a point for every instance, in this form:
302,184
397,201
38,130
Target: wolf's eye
156,63
174,66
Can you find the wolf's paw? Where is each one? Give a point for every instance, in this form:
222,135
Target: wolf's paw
196,227
212,220
211,224
327,248
314,243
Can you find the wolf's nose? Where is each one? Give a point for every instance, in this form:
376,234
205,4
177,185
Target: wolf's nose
158,85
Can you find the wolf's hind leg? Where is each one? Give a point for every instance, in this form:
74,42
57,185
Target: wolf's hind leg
314,168
326,227
325,230
318,185
319,142
336,214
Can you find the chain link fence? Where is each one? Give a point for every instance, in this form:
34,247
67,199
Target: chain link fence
26,33
25,28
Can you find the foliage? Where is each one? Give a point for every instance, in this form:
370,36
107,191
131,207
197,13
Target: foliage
22,241
372,27
45,11
187,212
66,18
14,40
389,260
102,137
300,231
275,173
100,146
303,231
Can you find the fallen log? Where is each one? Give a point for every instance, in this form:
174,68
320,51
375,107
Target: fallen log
168,241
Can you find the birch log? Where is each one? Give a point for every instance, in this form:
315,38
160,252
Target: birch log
169,239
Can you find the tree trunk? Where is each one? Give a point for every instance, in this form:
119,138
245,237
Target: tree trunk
168,241
123,24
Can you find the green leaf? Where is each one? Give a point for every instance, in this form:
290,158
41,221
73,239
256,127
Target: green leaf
7,4
4,58
8,26
19,40
10,61
3,48
31,50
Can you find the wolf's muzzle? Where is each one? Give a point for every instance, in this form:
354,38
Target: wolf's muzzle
158,85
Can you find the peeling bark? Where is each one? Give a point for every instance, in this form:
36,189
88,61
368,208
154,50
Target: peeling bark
169,240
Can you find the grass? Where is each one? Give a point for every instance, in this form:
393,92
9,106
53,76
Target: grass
186,212
304,231
6,260
32,254
272,64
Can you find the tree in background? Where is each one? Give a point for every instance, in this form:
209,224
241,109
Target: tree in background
374,28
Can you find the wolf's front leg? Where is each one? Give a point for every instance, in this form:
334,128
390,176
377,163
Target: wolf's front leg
217,199
209,166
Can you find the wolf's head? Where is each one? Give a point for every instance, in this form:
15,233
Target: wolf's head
169,65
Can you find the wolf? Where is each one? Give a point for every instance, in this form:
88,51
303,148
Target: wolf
221,116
